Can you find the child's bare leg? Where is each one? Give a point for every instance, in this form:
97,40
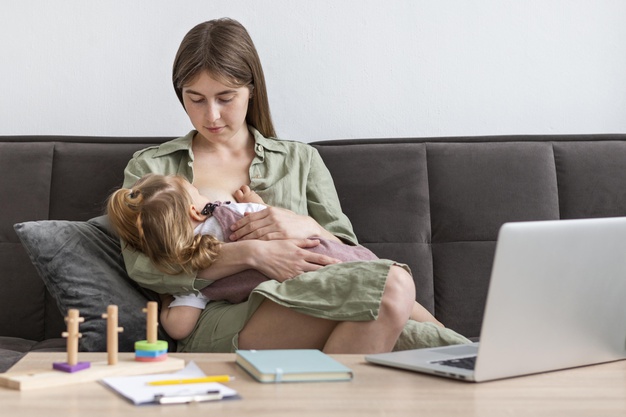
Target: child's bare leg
246,195
419,313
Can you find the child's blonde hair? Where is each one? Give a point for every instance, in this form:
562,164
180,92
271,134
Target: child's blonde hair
153,217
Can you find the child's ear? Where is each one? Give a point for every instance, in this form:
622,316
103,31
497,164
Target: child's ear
196,214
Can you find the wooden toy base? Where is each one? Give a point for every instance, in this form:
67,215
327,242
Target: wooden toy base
46,378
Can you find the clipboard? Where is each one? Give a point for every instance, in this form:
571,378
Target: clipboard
136,390
214,395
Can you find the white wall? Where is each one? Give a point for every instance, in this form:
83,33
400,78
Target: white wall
335,68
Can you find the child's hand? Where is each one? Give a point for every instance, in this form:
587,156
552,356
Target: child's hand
246,195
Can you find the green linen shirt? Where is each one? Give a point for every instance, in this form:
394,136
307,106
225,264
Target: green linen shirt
284,173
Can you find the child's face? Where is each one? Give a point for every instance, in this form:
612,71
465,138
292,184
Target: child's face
198,199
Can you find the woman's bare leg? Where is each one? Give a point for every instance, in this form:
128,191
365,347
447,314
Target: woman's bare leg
273,326
419,313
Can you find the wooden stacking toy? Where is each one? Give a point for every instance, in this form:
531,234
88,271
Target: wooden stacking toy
72,335
112,334
151,357
151,349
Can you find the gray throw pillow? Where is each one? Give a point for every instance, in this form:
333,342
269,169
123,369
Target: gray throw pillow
81,264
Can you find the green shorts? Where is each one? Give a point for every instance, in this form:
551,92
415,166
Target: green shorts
349,291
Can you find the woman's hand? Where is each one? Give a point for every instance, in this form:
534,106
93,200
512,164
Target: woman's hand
276,223
288,258
276,259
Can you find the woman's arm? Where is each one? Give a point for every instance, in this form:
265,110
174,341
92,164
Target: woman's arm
140,268
323,201
277,259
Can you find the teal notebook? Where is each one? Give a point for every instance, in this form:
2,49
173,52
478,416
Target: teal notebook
292,365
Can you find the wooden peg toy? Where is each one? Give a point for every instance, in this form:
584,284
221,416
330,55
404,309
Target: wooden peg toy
151,349
112,334
72,335
152,323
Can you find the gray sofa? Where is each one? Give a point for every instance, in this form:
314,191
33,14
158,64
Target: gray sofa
433,203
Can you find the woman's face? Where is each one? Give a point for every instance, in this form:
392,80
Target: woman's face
217,111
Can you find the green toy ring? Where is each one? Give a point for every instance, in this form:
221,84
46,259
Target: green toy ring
145,346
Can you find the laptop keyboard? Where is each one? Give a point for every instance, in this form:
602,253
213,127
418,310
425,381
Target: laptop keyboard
464,363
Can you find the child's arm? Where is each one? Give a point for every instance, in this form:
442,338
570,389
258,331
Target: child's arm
179,320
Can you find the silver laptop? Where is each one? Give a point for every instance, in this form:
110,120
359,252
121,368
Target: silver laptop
556,300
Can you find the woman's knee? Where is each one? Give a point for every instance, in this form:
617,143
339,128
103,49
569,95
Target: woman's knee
399,294
400,283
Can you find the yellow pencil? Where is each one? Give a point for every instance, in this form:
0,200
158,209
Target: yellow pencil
214,378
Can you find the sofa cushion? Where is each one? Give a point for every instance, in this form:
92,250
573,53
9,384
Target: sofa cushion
397,196
12,349
474,188
82,267
24,166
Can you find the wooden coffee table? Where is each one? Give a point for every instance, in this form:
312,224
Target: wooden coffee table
375,391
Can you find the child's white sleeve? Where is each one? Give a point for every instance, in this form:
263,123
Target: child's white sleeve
190,300
243,208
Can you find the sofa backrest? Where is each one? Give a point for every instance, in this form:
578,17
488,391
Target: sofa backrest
42,178
438,204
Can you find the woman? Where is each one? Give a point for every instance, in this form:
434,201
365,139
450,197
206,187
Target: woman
313,300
